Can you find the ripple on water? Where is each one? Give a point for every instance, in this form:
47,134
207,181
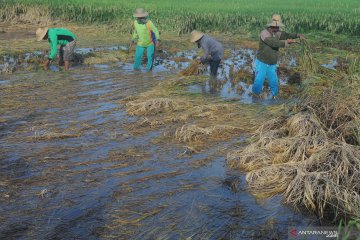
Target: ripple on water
108,182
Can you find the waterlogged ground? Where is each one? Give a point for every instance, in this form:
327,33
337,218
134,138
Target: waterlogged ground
71,169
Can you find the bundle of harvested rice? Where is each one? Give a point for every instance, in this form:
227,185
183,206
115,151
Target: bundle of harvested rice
251,158
263,140
306,60
336,111
272,135
193,69
321,141
270,180
330,179
304,124
153,106
339,158
298,149
320,193
279,145
272,124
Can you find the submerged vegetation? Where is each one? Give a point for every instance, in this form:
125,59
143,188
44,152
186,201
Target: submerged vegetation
187,15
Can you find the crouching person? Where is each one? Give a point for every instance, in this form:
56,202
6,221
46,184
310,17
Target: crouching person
213,50
271,39
58,36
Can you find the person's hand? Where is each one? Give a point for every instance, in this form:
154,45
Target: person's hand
202,60
46,64
158,45
291,41
301,36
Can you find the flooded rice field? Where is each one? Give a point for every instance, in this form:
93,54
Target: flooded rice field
72,167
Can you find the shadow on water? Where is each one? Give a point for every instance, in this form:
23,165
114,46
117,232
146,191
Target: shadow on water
71,170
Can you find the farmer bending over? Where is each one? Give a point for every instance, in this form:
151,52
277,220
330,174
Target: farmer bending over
147,36
271,39
58,36
213,50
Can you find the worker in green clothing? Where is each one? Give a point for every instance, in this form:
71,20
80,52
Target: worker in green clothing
58,36
272,38
147,37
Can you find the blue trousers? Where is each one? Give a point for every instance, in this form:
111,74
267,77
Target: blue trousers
263,70
139,55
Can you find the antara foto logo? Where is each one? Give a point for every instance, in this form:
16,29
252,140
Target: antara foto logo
293,232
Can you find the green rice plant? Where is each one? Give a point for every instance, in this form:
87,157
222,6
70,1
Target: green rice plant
306,59
183,17
350,229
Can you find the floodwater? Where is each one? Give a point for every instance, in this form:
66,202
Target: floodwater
71,169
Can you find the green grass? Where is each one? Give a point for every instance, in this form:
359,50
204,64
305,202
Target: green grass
348,230
333,16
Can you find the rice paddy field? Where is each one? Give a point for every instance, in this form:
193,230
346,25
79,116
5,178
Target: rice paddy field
229,15
106,152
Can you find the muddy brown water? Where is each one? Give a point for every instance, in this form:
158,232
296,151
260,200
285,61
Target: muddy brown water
70,169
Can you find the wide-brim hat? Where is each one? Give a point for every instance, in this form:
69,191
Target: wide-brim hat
40,33
196,36
275,21
140,12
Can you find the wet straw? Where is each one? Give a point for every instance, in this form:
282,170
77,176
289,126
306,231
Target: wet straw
128,53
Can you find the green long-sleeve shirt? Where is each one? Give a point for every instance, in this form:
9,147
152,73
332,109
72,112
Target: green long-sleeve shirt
270,43
141,34
58,36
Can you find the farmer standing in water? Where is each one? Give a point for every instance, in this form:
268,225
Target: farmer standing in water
213,50
271,39
147,37
58,36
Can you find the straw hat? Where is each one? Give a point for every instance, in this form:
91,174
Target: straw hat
195,36
140,12
40,33
275,21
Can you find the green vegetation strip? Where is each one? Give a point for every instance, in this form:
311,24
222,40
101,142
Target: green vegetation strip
184,16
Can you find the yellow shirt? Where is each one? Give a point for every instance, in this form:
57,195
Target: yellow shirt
142,35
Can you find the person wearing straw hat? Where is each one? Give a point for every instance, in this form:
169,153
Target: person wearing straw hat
58,36
271,39
213,50
147,37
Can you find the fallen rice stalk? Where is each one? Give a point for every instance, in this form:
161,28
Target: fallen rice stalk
193,133
153,106
193,69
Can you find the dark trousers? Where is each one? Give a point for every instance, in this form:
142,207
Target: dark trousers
214,66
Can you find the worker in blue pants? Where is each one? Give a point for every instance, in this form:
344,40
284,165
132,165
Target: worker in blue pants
271,39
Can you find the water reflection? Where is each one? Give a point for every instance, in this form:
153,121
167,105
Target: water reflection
238,91
70,169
